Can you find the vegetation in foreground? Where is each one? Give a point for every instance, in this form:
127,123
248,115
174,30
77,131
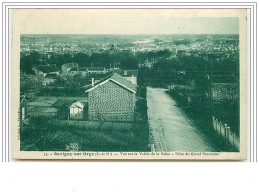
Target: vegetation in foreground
45,134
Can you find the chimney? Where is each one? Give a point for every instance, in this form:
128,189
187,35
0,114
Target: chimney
92,82
132,79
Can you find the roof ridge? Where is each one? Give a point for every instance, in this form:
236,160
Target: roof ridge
115,77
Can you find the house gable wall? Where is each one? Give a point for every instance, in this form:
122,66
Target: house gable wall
111,101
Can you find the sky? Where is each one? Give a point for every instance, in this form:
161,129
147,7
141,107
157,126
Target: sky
126,22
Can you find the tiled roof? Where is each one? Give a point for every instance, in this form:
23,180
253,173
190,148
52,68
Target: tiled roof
83,103
69,65
117,79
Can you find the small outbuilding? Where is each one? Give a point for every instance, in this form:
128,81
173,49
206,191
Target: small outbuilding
71,109
77,110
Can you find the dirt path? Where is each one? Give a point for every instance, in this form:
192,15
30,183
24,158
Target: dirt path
170,127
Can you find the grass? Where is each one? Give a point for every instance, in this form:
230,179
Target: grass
53,135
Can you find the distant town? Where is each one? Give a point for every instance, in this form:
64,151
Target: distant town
129,92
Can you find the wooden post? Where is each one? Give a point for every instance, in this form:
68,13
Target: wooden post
220,125
77,115
214,123
225,132
228,131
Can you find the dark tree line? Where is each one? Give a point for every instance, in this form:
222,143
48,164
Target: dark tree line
121,59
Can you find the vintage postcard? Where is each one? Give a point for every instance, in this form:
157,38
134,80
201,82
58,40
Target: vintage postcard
152,84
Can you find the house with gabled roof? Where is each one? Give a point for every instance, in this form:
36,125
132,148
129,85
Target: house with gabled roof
130,75
112,98
67,67
78,71
96,70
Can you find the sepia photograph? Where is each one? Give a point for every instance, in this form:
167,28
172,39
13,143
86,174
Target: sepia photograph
155,84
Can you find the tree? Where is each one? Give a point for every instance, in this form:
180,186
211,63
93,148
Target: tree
82,59
129,63
24,82
27,62
163,53
28,82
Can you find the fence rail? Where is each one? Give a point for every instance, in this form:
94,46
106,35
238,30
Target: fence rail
224,131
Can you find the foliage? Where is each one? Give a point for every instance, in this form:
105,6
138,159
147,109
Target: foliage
73,147
30,82
27,62
82,59
47,134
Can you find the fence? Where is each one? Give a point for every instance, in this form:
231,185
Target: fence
224,131
65,113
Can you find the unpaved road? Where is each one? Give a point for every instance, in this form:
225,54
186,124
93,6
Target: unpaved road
170,127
